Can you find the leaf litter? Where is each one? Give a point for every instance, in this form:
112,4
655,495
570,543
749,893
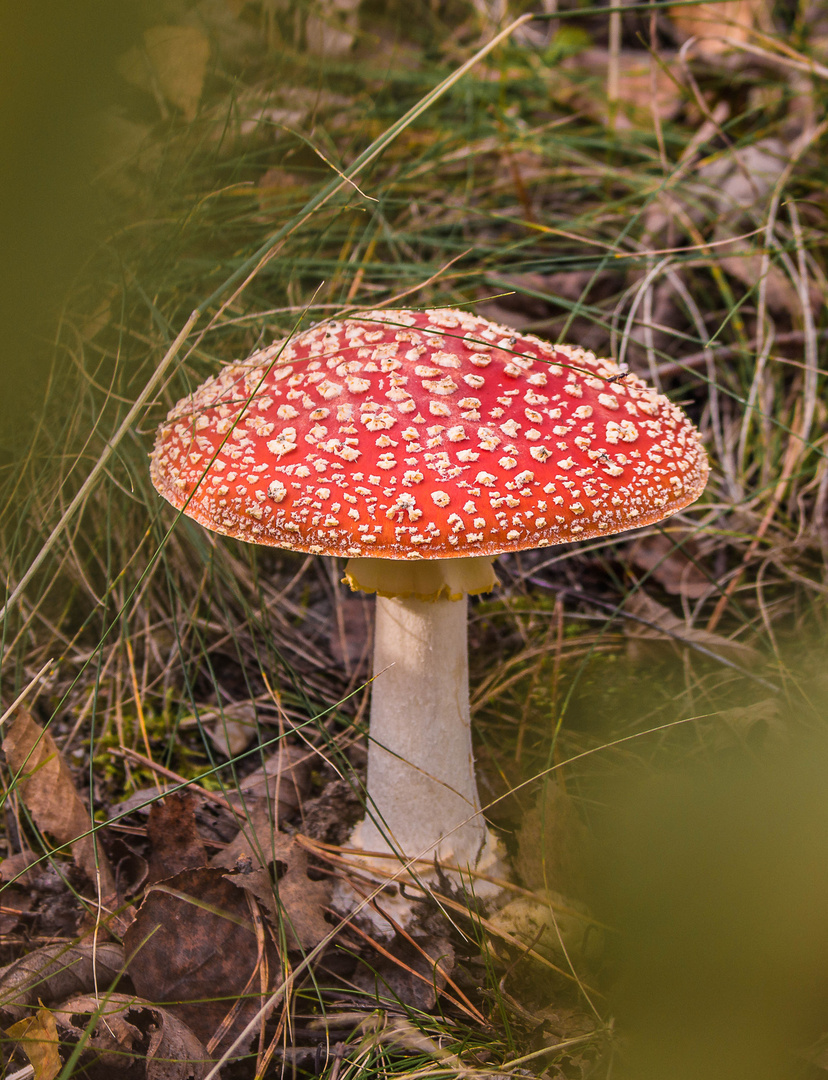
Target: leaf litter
194,946
203,923
121,1031
47,789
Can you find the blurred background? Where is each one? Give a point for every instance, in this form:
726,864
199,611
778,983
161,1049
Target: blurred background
58,78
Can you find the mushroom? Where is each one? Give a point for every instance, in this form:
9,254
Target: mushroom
422,444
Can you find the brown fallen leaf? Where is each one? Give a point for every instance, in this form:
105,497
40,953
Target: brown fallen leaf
554,845
712,24
637,74
296,905
668,564
743,182
172,64
46,786
554,926
55,972
330,30
736,186
283,778
13,903
750,269
194,946
411,975
655,626
565,1022
253,843
125,1029
20,868
231,737
38,1037
761,723
332,814
299,901
575,285
176,844
232,728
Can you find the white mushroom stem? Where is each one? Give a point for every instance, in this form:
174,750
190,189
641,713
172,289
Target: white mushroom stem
422,796
421,786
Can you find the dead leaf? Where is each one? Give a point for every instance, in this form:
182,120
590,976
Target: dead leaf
565,1022
276,187
193,946
39,1038
55,972
736,186
667,563
332,814
114,1039
253,842
760,723
127,1028
576,285
17,868
232,728
176,844
296,905
413,976
284,778
301,900
46,786
654,626
712,23
554,926
231,737
744,179
332,31
13,903
554,849
780,294
172,64
636,103
741,187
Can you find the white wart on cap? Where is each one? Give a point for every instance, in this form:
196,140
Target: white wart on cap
432,434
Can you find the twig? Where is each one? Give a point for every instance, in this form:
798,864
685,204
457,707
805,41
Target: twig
20,697
148,763
726,352
564,1044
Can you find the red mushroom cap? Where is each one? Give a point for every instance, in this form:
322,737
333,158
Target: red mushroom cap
425,434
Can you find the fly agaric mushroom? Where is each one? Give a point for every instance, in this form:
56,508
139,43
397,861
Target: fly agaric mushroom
422,444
